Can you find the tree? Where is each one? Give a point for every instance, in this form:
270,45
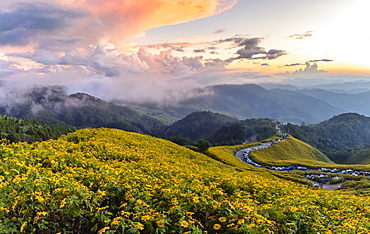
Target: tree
203,145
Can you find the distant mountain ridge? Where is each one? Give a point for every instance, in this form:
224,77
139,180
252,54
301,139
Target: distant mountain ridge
253,101
357,102
50,105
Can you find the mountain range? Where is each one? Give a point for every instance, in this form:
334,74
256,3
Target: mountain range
284,103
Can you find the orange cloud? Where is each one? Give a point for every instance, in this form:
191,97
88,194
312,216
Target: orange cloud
123,19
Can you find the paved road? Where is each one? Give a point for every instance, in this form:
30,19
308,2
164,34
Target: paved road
244,156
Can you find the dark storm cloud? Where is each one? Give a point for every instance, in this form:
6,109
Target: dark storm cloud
24,21
301,36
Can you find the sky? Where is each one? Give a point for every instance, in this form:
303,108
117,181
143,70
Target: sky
168,50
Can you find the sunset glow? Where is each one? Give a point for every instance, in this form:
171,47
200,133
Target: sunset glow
113,46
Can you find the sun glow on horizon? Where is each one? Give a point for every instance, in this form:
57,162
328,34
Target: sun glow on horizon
345,39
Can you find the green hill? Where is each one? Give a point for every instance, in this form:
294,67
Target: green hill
290,152
360,157
337,137
16,130
248,130
111,181
220,129
199,125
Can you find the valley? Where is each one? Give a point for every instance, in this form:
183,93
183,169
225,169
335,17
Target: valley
206,171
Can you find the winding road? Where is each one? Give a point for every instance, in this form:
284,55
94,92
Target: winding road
244,156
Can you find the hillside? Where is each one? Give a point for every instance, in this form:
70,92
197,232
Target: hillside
105,180
359,157
199,125
336,137
290,152
15,130
248,130
220,129
50,105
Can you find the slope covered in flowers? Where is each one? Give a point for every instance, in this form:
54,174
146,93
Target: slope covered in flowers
111,181
288,152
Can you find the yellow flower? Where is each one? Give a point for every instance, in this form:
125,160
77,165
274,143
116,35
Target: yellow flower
174,201
139,225
42,213
160,223
23,226
196,199
222,219
103,230
63,203
102,208
240,221
116,220
145,217
216,226
184,224
40,199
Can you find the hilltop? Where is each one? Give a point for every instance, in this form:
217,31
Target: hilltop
199,125
291,152
219,129
338,138
106,180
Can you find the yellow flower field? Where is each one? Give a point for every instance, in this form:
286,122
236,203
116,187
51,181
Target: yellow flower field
111,181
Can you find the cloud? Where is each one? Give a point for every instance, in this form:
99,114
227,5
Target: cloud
5,68
123,19
252,50
104,72
265,64
23,23
310,69
97,21
221,30
308,66
301,36
321,60
292,65
199,51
